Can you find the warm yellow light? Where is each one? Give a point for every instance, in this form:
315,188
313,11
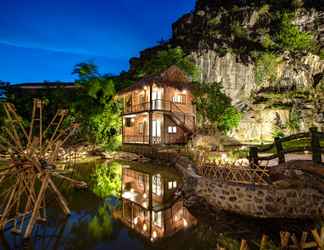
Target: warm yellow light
132,190
184,91
135,220
144,227
144,195
224,157
185,223
154,235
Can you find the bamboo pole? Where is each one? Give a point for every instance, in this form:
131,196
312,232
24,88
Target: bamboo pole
60,198
244,245
36,208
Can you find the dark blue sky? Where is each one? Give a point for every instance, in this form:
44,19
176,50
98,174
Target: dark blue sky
44,39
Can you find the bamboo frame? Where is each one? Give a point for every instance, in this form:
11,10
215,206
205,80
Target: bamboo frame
31,152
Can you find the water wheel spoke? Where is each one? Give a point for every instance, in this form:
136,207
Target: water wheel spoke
32,154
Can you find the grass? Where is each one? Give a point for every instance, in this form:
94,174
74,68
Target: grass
300,143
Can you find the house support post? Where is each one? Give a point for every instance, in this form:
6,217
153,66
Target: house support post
316,147
150,117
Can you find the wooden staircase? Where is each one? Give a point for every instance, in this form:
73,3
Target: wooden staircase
181,119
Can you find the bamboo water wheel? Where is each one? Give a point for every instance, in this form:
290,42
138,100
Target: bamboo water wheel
29,178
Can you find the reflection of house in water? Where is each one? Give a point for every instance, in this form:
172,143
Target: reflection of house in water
150,204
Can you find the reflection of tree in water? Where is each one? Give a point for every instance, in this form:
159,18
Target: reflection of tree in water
91,221
106,180
99,227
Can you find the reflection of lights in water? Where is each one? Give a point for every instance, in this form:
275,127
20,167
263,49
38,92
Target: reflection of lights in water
144,227
185,223
144,195
154,235
135,220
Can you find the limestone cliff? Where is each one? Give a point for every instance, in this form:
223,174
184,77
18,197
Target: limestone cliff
227,41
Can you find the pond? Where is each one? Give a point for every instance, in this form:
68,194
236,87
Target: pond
139,206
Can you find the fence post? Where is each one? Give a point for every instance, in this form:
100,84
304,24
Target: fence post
316,147
253,157
280,151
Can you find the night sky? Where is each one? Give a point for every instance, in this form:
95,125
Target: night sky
43,39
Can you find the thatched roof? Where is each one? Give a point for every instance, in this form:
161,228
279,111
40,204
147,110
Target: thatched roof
173,76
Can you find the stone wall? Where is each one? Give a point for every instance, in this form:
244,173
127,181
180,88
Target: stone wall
261,201
257,201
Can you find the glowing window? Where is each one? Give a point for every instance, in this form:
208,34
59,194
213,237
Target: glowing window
172,129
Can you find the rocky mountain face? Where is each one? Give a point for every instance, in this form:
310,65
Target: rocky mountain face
234,42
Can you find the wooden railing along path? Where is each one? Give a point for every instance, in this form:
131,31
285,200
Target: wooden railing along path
235,172
307,240
313,137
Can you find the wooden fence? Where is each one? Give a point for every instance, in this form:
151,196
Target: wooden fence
307,240
313,137
238,173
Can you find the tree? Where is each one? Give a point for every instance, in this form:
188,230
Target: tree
96,108
214,107
166,58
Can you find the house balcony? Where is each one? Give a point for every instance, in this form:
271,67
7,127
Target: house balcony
156,105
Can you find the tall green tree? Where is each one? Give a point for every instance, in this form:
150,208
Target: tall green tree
214,107
96,108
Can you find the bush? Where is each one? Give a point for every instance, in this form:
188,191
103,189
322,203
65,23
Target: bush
166,58
291,38
215,107
321,54
229,120
238,30
266,67
267,42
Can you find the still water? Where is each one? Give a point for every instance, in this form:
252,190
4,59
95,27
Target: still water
139,206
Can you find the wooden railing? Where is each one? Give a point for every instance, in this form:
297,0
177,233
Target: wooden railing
313,137
158,104
313,239
140,139
236,173
135,139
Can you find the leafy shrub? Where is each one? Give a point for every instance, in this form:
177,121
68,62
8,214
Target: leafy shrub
214,106
214,21
321,54
229,120
291,38
266,65
278,132
267,41
293,124
264,9
238,30
166,58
